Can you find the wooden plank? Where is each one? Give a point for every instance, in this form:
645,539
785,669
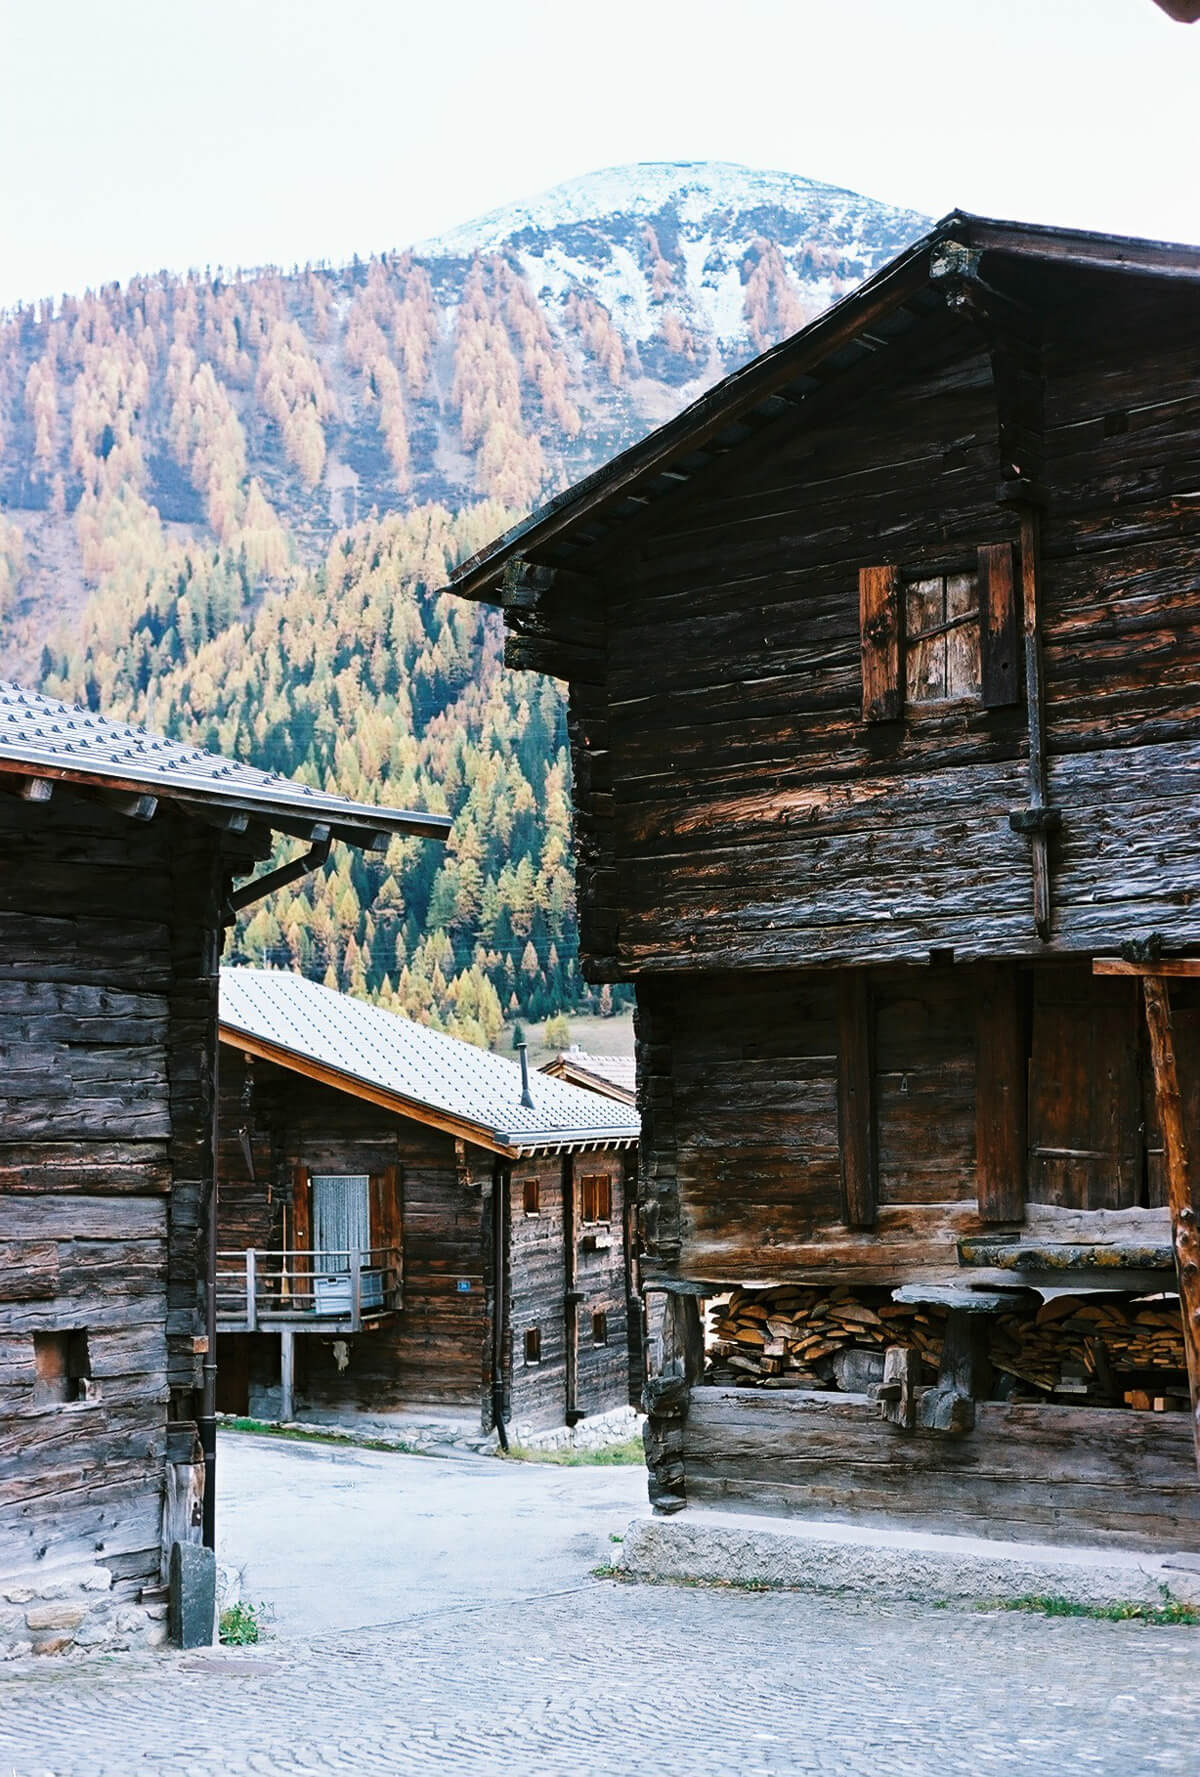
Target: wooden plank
881,626
1000,627
1001,1086
1167,967
962,636
856,1109
1035,711
1182,1195
925,643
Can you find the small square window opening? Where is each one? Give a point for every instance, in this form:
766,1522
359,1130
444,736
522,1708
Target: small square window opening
531,1194
599,1327
62,1368
533,1345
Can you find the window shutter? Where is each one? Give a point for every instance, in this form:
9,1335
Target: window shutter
881,623
999,627
299,1284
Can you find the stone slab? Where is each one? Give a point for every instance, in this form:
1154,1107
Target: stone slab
734,1548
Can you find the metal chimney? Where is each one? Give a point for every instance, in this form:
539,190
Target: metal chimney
526,1094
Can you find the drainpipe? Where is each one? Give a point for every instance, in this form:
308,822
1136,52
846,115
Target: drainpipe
500,1197
207,1426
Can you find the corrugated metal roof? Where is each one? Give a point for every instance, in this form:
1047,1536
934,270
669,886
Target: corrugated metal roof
596,1073
392,1054
41,736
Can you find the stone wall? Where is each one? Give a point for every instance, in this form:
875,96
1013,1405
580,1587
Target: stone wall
73,1610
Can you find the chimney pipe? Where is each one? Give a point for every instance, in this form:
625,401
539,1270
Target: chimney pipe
526,1094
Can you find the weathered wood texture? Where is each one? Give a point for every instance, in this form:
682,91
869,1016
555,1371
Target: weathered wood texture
741,813
433,1350
988,1089
1040,1474
437,1349
108,956
539,1283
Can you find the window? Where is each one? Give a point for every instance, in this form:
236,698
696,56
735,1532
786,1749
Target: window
941,652
599,1327
531,1193
940,638
533,1345
62,1368
341,1222
595,1195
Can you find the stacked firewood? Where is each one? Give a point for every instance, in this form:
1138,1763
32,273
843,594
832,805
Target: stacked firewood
789,1336
802,1336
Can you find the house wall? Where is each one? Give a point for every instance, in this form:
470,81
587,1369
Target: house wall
107,1029
574,1374
736,811
433,1350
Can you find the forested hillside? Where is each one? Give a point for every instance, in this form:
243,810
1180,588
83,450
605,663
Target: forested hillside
226,502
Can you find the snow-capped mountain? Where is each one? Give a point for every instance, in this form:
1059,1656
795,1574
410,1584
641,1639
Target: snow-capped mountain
708,218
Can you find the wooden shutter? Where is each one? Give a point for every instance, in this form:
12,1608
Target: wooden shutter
881,625
1000,627
387,1231
856,1111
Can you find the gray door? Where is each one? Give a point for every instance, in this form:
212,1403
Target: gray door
341,1225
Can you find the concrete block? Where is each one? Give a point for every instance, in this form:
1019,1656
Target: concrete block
193,1595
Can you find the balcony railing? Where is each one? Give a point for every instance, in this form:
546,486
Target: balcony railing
336,1290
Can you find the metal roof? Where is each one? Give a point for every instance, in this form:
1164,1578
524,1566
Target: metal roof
591,515
382,1055
615,1074
58,742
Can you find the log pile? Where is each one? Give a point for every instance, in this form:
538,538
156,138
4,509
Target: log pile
803,1336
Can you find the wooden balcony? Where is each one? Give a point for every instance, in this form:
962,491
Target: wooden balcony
307,1291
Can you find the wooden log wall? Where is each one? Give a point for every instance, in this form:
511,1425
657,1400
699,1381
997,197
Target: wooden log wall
755,820
1036,1473
108,950
434,1350
744,1104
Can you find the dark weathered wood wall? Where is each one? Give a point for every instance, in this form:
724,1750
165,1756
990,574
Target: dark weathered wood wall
735,810
433,1351
108,952
1036,1473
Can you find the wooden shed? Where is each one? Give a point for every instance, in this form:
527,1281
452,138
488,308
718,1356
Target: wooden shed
411,1223
614,1076
120,853
884,669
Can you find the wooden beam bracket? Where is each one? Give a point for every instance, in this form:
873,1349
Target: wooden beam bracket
1035,820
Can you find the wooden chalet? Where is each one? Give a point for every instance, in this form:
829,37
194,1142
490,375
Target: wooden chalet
121,852
614,1076
884,670
409,1222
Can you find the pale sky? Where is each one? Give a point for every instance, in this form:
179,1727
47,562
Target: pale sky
137,134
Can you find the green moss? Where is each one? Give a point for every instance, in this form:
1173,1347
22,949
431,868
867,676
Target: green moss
1170,1612
625,1455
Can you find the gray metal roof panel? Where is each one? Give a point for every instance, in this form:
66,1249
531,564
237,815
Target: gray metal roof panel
39,733
394,1054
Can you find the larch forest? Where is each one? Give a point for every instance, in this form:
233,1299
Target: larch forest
227,501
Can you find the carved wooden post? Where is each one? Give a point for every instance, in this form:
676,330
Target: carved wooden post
1181,1191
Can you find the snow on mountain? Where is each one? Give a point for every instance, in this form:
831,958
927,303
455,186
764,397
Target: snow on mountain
701,221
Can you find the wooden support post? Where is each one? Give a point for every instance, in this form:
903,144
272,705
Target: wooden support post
571,1295
356,1291
856,1110
287,1375
251,1290
1180,1184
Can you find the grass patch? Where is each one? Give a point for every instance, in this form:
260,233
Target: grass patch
624,1455
266,1428
241,1625
1170,1612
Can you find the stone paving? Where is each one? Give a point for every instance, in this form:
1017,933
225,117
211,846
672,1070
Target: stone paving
491,1649
614,1678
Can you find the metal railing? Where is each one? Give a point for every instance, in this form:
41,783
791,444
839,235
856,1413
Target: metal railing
257,1288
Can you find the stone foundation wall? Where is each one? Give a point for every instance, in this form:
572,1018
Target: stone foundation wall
75,1610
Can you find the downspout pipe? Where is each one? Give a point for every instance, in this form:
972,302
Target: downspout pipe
233,904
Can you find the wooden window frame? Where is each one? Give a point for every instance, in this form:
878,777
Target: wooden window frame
887,639
533,1346
531,1196
599,1326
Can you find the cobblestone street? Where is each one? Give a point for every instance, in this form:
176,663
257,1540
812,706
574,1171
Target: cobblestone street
599,1677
